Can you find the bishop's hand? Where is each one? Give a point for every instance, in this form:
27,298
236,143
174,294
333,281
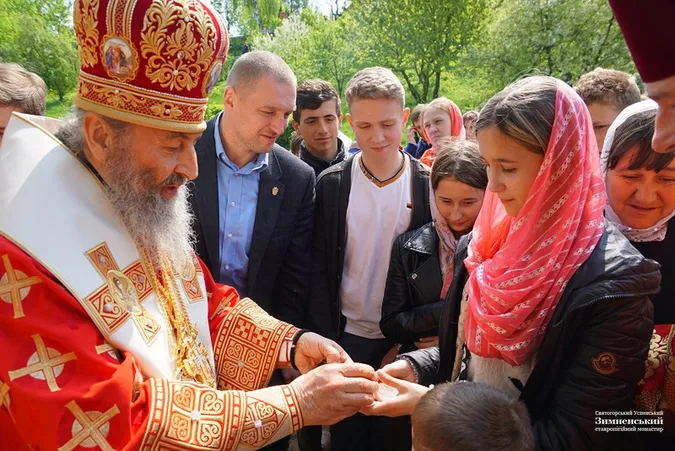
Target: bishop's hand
334,392
312,349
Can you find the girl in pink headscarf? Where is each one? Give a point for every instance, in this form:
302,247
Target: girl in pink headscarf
441,119
549,303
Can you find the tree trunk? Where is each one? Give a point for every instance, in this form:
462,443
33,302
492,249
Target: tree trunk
256,14
437,83
412,88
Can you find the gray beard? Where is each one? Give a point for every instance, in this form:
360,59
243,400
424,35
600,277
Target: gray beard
159,226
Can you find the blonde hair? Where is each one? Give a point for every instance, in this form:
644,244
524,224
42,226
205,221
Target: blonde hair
524,111
375,83
439,103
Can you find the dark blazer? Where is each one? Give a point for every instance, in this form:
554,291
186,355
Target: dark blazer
412,303
330,237
592,354
280,254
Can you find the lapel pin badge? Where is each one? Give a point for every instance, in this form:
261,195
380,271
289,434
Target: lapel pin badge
275,191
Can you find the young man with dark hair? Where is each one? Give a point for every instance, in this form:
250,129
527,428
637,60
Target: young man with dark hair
606,92
316,119
467,416
362,205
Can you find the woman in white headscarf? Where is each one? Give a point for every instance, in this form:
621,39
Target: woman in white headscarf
641,202
641,195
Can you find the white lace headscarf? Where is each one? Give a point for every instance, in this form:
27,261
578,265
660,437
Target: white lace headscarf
658,231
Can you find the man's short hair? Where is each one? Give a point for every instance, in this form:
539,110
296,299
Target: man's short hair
311,94
417,112
22,89
375,83
252,66
469,416
608,86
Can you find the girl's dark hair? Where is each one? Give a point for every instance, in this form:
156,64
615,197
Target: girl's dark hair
638,130
461,161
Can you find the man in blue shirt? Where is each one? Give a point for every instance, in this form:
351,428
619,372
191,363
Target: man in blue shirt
253,200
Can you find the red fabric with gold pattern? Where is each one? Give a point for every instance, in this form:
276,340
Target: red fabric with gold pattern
62,387
656,391
149,62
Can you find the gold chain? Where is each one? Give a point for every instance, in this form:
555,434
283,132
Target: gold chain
192,359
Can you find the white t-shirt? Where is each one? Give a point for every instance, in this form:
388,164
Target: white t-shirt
378,212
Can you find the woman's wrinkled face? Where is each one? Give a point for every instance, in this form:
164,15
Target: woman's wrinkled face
511,168
458,203
640,197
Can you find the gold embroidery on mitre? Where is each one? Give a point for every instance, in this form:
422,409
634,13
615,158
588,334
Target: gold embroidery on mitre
137,105
166,110
116,98
85,22
178,59
119,57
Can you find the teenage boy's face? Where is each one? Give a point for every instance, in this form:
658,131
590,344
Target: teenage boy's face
319,128
602,115
377,124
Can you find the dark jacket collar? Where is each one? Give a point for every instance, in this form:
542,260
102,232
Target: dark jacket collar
319,164
423,240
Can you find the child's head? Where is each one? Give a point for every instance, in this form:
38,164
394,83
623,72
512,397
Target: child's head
377,112
416,117
606,92
467,416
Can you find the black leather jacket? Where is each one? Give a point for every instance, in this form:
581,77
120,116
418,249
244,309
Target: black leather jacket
593,352
412,303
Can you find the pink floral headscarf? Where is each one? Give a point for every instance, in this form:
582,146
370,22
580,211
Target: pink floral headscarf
519,267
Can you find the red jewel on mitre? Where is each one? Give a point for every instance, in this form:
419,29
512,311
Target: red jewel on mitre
646,27
149,62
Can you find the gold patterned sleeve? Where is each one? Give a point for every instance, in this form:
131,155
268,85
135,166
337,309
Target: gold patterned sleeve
248,345
185,415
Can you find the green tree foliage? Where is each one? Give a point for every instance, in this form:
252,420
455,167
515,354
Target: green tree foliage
37,34
562,38
419,39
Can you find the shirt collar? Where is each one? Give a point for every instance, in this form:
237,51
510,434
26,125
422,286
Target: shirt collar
258,164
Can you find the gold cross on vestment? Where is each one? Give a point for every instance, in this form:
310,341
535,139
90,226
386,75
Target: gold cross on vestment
44,364
15,286
90,428
121,295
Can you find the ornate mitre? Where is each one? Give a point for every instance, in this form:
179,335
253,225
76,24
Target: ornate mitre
149,62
